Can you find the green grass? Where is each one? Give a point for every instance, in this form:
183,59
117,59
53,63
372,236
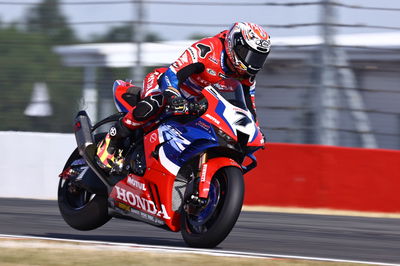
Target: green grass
13,253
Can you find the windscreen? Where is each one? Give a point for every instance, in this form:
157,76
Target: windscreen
232,91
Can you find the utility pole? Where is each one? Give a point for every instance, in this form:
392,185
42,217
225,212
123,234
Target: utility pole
355,101
90,97
335,71
327,96
137,71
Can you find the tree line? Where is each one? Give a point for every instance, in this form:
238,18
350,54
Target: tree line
27,57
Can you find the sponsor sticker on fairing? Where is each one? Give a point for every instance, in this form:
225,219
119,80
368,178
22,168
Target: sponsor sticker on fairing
133,182
213,119
203,125
203,173
141,203
212,59
211,72
153,137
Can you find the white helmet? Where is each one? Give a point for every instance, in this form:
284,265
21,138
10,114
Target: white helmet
247,46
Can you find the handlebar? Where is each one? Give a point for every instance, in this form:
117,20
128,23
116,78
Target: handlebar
187,108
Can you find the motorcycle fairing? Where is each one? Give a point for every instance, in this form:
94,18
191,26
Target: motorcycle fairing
169,147
154,203
209,169
229,119
181,142
135,196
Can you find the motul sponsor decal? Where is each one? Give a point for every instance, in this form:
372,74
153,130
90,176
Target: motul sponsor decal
136,184
141,203
213,119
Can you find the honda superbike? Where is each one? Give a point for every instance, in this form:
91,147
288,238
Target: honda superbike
186,174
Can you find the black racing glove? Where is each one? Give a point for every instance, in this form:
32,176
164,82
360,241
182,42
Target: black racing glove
178,105
174,102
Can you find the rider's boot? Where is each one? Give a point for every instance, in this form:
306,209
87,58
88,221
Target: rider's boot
109,153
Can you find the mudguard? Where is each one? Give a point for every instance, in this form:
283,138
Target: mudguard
209,169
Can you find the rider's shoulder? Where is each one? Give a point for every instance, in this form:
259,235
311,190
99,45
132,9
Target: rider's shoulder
209,41
222,35
204,48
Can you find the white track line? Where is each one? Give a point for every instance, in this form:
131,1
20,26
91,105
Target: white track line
211,252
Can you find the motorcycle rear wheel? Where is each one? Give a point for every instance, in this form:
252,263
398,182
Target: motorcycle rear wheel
79,208
213,224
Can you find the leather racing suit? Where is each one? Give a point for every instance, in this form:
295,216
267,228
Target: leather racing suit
202,64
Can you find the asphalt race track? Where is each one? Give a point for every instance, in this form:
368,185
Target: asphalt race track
337,237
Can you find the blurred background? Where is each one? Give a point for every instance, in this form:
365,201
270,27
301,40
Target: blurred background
332,76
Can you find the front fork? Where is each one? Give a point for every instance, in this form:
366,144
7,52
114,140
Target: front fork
207,169
200,187
204,183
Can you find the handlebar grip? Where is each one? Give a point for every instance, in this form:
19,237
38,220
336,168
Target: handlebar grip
197,108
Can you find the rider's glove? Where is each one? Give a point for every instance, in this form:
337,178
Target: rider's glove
178,105
175,103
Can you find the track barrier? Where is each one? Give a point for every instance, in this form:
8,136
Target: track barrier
316,176
288,175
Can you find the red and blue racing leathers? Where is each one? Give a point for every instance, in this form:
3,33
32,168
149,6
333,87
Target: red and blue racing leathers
202,64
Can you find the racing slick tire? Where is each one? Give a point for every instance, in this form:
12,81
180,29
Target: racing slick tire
215,221
81,209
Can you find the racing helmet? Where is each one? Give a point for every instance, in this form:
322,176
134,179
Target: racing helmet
247,46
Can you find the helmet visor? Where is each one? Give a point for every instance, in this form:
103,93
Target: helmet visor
250,58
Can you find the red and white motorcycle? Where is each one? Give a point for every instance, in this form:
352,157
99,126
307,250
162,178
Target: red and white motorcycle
185,175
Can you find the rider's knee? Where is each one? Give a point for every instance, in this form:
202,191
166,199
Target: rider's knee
148,107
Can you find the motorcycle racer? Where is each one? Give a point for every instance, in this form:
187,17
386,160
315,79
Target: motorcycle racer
238,53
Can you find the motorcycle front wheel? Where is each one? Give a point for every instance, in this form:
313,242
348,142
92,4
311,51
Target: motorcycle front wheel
211,225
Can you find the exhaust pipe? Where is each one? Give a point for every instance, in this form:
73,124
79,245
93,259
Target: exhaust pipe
83,134
87,146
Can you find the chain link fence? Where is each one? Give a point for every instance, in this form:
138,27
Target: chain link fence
40,93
